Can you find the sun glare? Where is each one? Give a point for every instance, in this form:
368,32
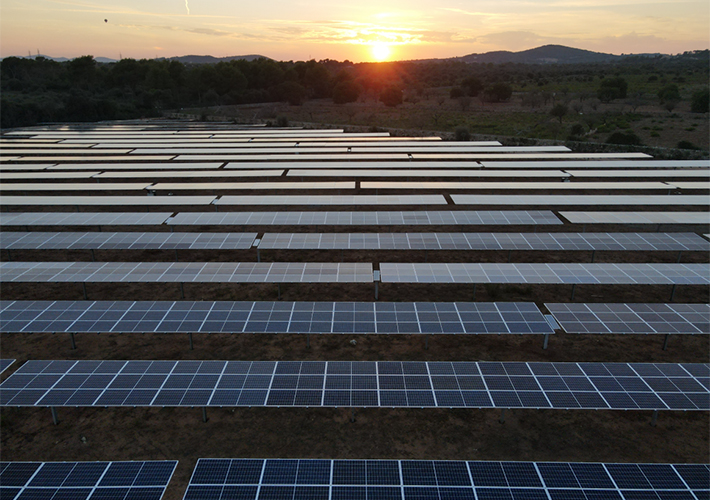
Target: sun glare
381,51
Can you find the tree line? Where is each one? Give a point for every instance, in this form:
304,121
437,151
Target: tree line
42,90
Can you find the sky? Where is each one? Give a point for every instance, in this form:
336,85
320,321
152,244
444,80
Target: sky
361,30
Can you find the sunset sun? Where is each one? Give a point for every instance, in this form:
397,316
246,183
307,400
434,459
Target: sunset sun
381,51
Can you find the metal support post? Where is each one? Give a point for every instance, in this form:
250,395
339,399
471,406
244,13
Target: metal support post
352,414
654,418
93,256
672,292
573,285
377,291
204,414
9,254
86,295
474,291
426,341
502,416
192,346
510,252
426,255
308,341
680,252
176,255
258,255
182,290
665,341
54,415
73,342
279,290
545,341
593,254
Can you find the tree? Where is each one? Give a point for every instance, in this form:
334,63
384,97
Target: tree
456,92
559,110
612,88
630,139
472,85
462,134
499,92
669,93
346,91
292,92
391,97
700,102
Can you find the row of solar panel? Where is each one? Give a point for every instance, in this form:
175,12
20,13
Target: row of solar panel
324,272
350,317
619,386
345,200
357,241
313,479
340,185
462,217
277,317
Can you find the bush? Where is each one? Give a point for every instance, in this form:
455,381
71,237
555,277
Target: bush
345,92
700,102
499,92
391,97
686,145
624,138
282,121
456,92
462,134
612,88
669,93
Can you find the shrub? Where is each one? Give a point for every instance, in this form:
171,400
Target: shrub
612,88
391,97
345,92
625,138
686,145
700,102
462,134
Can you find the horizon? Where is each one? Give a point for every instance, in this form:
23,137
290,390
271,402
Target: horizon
365,32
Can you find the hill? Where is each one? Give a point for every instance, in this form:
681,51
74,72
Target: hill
192,59
547,54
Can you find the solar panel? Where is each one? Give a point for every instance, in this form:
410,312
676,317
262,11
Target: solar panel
5,364
230,145
78,150
83,218
597,200
93,158
46,175
689,184
432,199
213,186
173,174
427,218
317,479
74,186
526,156
636,274
106,200
638,173
352,165
486,241
393,384
388,172
185,272
127,165
637,217
23,167
274,317
615,164
300,156
128,241
632,318
516,185
81,480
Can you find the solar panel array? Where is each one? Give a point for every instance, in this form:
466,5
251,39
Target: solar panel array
580,199
619,386
632,318
274,317
82,480
637,217
414,218
83,218
486,241
116,201
639,274
281,479
184,272
362,199
125,240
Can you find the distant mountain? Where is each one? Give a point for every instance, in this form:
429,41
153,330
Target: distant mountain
65,59
547,54
211,59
